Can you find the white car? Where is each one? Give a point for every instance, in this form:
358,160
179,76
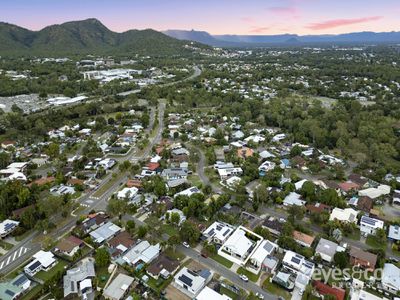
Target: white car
186,245
244,278
259,296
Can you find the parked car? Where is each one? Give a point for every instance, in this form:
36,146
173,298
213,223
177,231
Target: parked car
186,245
259,296
244,278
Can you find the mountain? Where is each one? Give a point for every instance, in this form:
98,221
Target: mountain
87,36
285,39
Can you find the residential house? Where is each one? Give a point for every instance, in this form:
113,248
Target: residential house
317,208
326,249
7,226
377,192
69,246
347,215
228,172
182,217
93,222
127,193
162,267
188,192
370,225
363,259
293,199
265,167
174,173
104,232
303,239
323,290
273,225
78,281
119,288
218,232
264,250
209,294
142,252
120,243
245,152
298,265
391,278
394,233
348,186
15,288
42,261
364,203
240,245
191,282
180,155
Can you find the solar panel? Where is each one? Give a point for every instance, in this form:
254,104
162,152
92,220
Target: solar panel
72,286
186,280
211,232
9,226
20,280
295,260
34,266
10,293
226,232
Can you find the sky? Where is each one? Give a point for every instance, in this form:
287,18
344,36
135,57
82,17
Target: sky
255,17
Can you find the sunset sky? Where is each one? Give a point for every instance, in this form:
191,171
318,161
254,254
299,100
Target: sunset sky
215,16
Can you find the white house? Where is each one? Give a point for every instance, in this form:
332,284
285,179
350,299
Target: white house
369,225
191,282
348,215
279,137
297,264
127,193
7,226
209,294
188,192
42,261
265,249
293,199
143,251
228,172
182,217
240,245
391,278
104,232
394,233
218,232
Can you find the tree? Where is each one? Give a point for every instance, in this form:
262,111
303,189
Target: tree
308,191
53,150
130,226
340,259
175,218
295,213
102,257
173,241
189,232
142,231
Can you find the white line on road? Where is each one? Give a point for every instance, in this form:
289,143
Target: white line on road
20,251
1,266
8,260
15,254
26,249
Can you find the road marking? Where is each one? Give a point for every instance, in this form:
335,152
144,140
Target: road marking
26,249
8,260
20,251
15,254
1,266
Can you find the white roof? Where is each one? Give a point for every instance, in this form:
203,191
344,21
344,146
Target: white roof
118,287
391,276
266,154
394,232
7,226
195,281
371,222
345,215
45,258
210,294
374,193
299,184
105,232
238,242
127,193
218,230
233,180
188,192
142,252
263,250
17,165
293,199
229,171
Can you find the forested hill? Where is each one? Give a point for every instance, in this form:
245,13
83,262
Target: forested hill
87,36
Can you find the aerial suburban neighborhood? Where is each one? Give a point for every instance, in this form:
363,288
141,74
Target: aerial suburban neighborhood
180,165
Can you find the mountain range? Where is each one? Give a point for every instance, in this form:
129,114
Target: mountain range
204,37
87,36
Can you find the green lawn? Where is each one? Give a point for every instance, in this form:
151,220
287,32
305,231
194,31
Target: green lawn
45,276
222,260
174,254
5,245
229,293
169,229
275,289
355,235
33,293
253,277
108,184
102,276
374,243
19,238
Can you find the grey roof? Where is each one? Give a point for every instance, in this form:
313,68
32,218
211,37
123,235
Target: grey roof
74,276
118,286
394,232
326,247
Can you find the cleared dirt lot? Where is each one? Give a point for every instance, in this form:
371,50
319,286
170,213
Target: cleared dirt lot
172,293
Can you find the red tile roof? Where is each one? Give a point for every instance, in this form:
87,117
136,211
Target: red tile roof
325,289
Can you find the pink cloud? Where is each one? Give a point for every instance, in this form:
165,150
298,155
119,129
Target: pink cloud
247,19
256,29
341,22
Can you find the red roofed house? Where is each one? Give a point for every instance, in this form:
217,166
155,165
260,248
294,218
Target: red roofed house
152,166
69,246
348,186
324,289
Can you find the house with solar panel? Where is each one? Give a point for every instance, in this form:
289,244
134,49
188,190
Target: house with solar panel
78,281
369,225
42,261
190,282
297,265
240,246
265,250
7,226
218,232
14,289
